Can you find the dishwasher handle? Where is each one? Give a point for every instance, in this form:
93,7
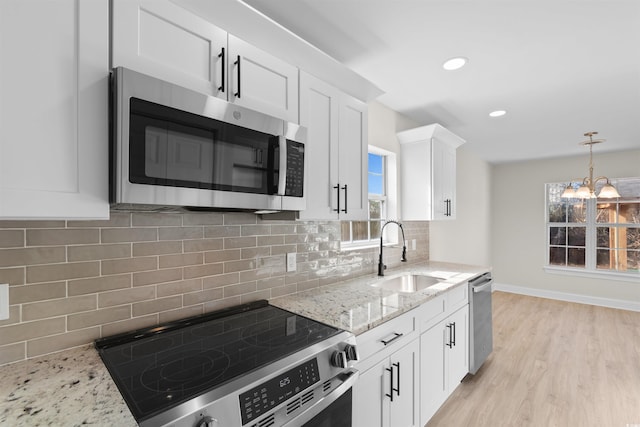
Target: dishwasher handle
481,288
481,283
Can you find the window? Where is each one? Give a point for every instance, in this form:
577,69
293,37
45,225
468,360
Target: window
595,235
381,178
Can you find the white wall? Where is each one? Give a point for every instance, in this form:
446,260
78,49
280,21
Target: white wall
384,124
518,250
467,238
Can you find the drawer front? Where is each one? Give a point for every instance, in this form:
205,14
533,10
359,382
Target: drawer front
457,297
390,334
431,312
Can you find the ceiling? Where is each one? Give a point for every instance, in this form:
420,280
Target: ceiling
559,68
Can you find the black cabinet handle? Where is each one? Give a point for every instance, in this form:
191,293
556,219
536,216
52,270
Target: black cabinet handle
395,337
346,202
397,365
391,389
237,94
447,207
337,188
222,67
450,343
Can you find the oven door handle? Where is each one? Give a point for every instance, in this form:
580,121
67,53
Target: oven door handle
325,402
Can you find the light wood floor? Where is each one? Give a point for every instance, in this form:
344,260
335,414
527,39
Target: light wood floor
553,364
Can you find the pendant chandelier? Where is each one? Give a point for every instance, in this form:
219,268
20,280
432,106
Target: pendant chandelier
587,189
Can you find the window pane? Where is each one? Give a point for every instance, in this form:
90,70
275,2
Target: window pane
375,229
558,235
375,163
633,261
375,209
603,237
376,184
376,174
345,231
557,256
602,259
577,236
633,238
577,212
557,212
575,257
606,213
360,230
629,213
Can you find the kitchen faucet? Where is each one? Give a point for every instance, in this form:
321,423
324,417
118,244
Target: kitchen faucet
381,266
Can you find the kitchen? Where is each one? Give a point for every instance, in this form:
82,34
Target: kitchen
73,281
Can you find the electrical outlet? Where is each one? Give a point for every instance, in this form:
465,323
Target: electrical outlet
413,244
291,261
4,301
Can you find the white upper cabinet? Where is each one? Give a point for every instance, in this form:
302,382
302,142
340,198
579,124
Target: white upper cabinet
336,170
53,109
261,81
428,173
161,39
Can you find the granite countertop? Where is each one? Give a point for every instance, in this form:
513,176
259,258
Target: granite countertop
356,306
73,387
69,388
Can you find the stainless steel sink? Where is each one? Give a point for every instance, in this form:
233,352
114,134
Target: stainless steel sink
407,283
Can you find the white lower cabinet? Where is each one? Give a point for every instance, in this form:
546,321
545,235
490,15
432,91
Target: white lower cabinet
444,361
387,393
411,364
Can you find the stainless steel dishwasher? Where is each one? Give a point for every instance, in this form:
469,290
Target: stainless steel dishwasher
480,321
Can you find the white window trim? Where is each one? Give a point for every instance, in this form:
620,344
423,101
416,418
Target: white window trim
390,198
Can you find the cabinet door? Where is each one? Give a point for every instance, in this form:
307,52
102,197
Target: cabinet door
433,385
352,161
261,81
459,353
369,398
53,109
161,39
319,114
404,410
415,172
444,180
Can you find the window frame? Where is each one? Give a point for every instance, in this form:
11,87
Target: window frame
591,225
389,199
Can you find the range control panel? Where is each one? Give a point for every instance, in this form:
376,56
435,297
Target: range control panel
271,393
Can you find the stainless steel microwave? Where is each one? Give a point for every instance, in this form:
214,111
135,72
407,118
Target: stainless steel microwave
172,146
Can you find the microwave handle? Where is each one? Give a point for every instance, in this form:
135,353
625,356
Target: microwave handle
282,176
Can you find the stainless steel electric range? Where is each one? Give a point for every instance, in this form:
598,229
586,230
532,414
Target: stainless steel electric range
252,365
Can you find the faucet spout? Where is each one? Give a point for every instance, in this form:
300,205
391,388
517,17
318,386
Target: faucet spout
381,266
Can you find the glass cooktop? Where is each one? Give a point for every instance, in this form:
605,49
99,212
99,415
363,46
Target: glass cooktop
163,366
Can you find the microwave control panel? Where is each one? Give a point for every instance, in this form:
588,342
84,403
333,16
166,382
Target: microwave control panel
295,169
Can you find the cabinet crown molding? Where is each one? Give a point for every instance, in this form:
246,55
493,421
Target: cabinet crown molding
428,132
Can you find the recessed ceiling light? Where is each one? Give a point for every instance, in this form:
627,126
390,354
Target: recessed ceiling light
497,113
455,63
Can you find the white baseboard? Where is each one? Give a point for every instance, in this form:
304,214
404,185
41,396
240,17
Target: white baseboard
564,296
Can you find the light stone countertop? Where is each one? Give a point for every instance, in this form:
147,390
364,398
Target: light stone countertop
73,387
69,388
356,306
